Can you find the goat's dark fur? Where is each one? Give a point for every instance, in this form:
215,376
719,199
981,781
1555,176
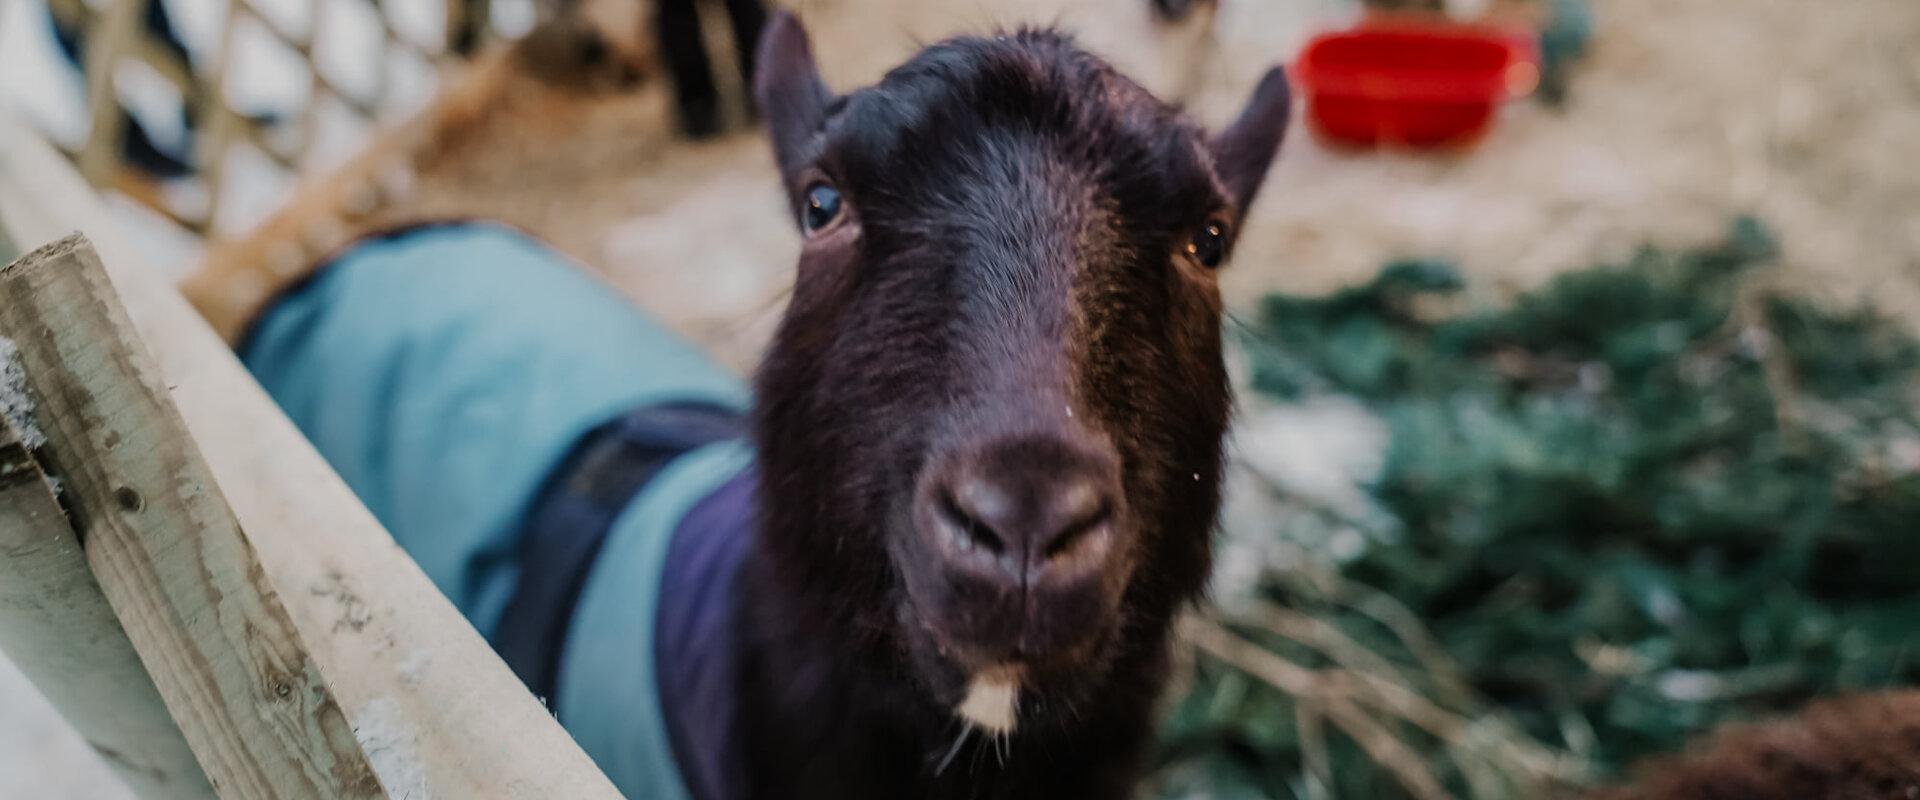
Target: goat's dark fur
1865,747
1017,209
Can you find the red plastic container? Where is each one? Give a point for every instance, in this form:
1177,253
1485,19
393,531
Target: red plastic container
1413,83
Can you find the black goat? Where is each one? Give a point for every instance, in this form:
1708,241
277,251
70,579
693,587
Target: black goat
989,428
986,453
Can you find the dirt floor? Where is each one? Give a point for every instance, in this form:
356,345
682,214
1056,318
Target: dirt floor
1686,113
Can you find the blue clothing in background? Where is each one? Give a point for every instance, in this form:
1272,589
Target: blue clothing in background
448,373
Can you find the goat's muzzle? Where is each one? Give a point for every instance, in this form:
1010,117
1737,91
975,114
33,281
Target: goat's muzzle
1021,549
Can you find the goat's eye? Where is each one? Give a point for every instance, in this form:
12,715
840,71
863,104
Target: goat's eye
823,206
1209,245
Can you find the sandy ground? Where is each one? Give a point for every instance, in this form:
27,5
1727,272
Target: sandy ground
1687,113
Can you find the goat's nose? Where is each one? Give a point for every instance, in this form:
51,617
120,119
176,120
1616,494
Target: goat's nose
1033,511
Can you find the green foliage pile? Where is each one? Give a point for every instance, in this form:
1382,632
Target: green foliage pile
1639,501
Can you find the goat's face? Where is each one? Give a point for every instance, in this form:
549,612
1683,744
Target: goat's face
991,421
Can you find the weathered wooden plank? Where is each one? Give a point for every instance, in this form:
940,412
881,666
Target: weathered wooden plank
167,551
439,713
56,626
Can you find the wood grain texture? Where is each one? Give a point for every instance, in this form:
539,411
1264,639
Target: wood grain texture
440,714
57,628
167,551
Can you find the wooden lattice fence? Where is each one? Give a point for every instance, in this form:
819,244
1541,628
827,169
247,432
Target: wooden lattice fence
114,34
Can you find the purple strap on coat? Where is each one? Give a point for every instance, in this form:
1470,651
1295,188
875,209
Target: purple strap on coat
694,637
571,517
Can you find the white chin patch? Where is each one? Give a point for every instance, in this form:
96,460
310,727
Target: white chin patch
993,701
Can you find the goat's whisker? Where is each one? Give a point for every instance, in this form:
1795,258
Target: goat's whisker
966,729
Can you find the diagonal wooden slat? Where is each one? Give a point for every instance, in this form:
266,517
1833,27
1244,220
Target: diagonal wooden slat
56,627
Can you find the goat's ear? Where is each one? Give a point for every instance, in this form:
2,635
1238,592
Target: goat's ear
1242,152
792,98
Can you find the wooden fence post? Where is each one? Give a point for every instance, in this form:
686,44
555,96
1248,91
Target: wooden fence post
166,549
56,626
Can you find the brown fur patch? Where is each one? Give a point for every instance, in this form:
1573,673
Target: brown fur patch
1864,747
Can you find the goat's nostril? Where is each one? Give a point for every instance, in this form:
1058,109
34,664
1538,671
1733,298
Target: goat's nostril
1095,514
970,530
1036,513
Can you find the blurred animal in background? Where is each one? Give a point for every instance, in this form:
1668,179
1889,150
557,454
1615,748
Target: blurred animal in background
674,33
1864,747
684,50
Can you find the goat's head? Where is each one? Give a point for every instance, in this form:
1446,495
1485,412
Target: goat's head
991,421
